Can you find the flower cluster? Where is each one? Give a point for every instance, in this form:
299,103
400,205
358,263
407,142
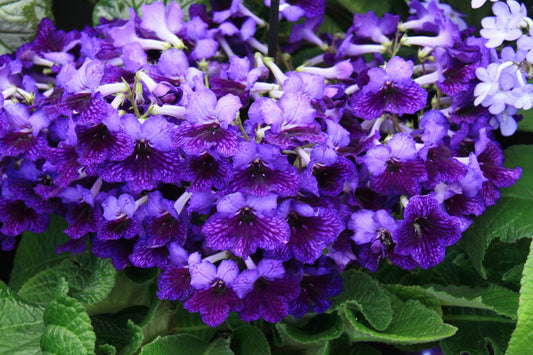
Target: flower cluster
163,143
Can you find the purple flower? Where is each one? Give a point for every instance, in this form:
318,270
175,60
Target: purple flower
491,163
119,219
24,136
243,224
503,26
373,231
165,23
162,224
389,90
327,172
312,229
261,169
208,124
83,215
17,217
214,298
316,286
291,120
396,167
369,26
426,231
175,281
208,170
152,161
266,290
118,250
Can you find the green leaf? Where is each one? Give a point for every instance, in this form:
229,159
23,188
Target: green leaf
495,298
249,340
119,330
185,322
522,339
406,293
158,320
380,7
90,280
21,324
111,9
36,252
126,293
186,345
526,124
68,327
412,323
371,299
476,330
510,219
320,328
19,20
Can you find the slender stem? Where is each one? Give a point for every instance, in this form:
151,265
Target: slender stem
273,29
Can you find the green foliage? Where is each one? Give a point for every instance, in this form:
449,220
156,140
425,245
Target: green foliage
185,322
21,323
19,20
184,344
90,280
364,293
68,327
119,330
412,323
36,252
510,219
249,340
319,328
495,298
521,341
476,330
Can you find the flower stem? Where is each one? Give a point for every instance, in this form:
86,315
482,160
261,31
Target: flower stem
273,29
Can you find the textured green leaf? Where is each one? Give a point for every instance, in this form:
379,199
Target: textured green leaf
412,323
119,330
522,338
124,294
90,280
68,327
510,219
320,328
19,20
158,320
406,293
476,330
111,9
185,322
36,252
186,345
21,324
495,298
249,340
364,292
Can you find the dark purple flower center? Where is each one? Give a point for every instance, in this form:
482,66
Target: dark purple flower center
392,165
246,215
386,238
219,286
258,170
